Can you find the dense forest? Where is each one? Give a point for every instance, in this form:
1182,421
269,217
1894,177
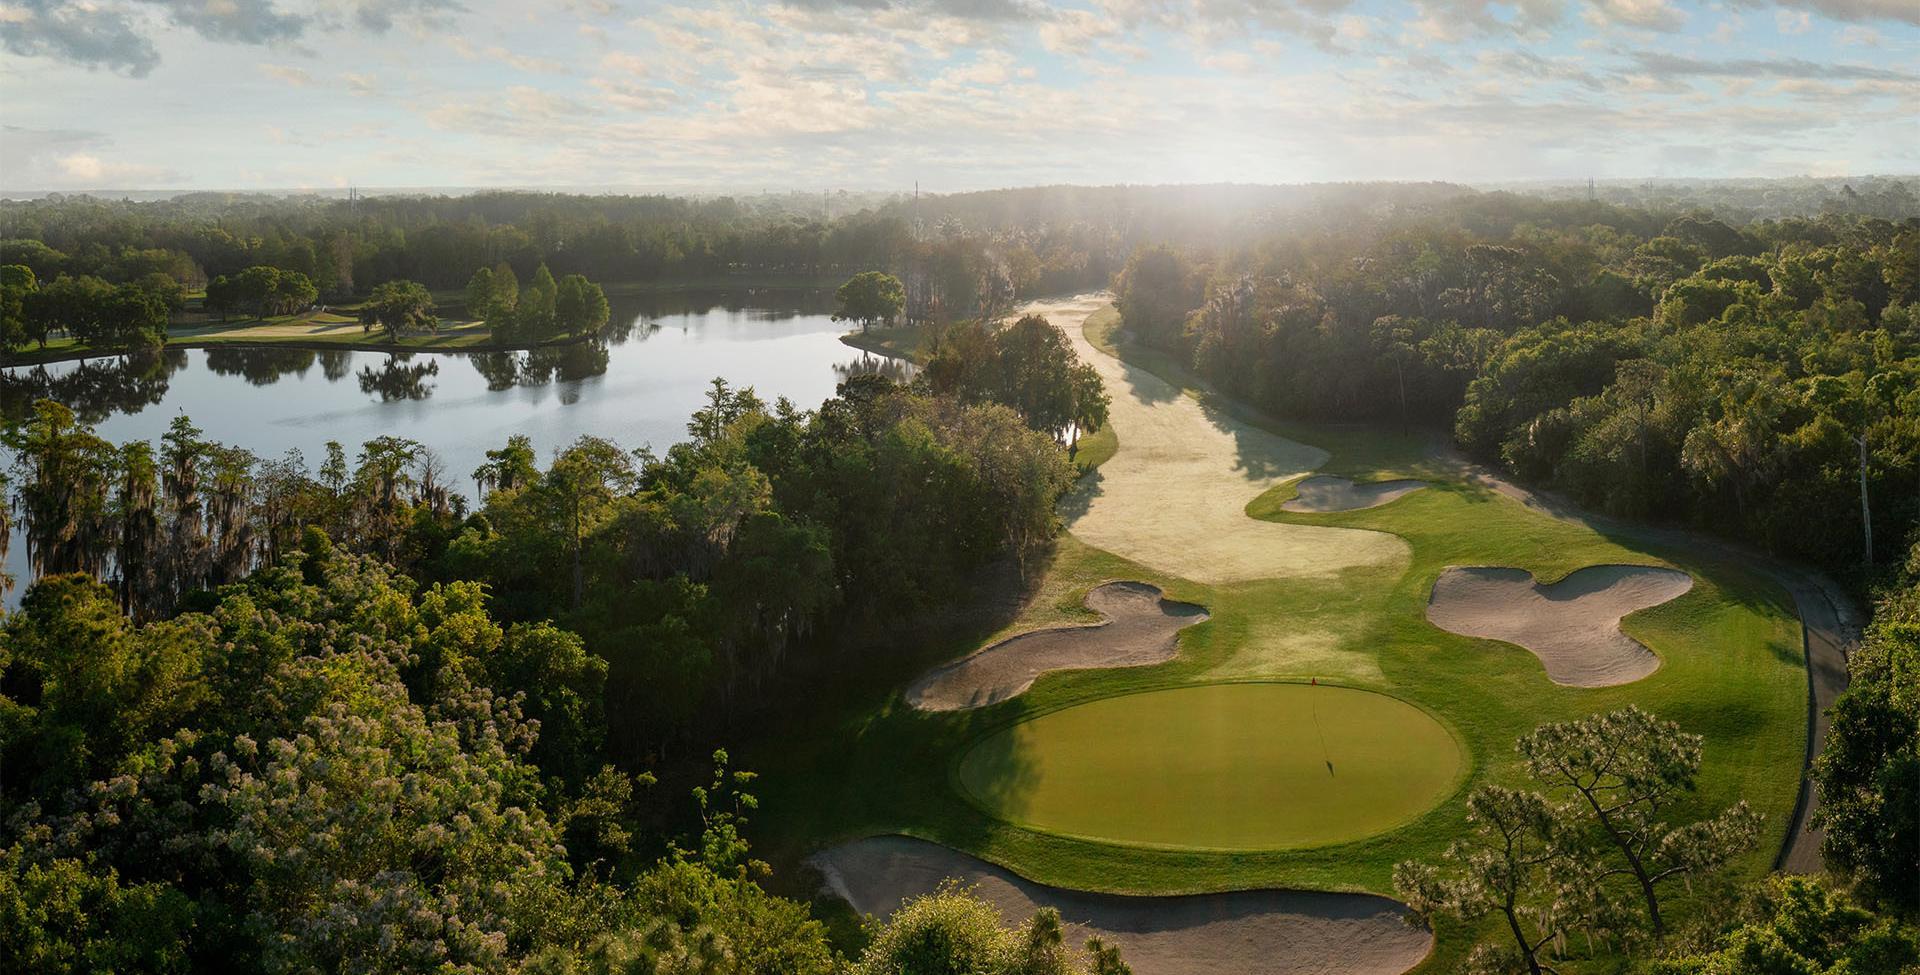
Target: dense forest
1756,380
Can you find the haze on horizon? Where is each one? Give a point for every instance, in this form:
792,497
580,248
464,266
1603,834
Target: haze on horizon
953,94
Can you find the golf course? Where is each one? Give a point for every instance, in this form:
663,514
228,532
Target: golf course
1332,635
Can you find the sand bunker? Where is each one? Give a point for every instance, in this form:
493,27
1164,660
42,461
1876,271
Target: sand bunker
1325,492
1250,932
1174,497
1573,626
1141,629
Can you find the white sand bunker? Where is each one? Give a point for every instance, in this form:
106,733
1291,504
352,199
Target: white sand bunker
1245,932
1325,492
1141,629
1573,626
1175,495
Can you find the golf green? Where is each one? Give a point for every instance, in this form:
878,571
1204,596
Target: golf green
1244,766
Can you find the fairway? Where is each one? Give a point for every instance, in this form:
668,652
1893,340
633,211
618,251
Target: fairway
1249,766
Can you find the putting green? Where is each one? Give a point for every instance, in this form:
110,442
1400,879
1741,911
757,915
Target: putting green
1253,766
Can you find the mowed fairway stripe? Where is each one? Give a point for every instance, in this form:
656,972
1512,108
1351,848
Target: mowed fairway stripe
1252,766
1174,496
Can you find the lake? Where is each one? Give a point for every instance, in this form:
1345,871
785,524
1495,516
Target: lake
636,387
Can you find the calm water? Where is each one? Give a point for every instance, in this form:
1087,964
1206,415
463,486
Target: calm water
637,387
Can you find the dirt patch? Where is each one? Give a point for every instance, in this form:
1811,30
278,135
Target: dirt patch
1174,496
1141,629
1573,625
1244,932
1325,492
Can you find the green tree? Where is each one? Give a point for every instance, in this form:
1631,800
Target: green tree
954,932
1855,403
63,474
1803,926
535,310
76,305
400,307
257,289
870,297
1397,341
579,306
67,916
480,295
1869,771
577,492
509,468
1156,291
16,283
1626,770
1513,865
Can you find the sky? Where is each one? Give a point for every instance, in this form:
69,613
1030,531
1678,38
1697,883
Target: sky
741,95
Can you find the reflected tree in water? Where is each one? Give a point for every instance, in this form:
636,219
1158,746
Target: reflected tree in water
93,389
335,364
399,379
538,367
259,367
886,367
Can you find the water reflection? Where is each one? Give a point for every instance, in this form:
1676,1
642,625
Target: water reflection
898,370
260,367
93,388
653,361
399,378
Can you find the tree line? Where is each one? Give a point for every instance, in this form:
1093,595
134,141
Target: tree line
1755,380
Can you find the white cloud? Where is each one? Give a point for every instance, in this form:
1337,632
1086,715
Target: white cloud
297,77
1647,14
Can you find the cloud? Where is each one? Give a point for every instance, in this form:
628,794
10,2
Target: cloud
379,15
71,159
94,36
1647,14
1677,66
296,77
235,21
989,10
500,55
1905,11
118,34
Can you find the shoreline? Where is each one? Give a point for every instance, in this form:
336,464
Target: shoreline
459,337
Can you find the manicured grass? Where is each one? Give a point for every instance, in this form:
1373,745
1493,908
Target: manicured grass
1236,766
1732,671
907,342
311,330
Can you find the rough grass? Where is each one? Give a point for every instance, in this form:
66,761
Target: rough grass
1732,671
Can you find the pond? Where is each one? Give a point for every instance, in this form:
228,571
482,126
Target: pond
636,387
